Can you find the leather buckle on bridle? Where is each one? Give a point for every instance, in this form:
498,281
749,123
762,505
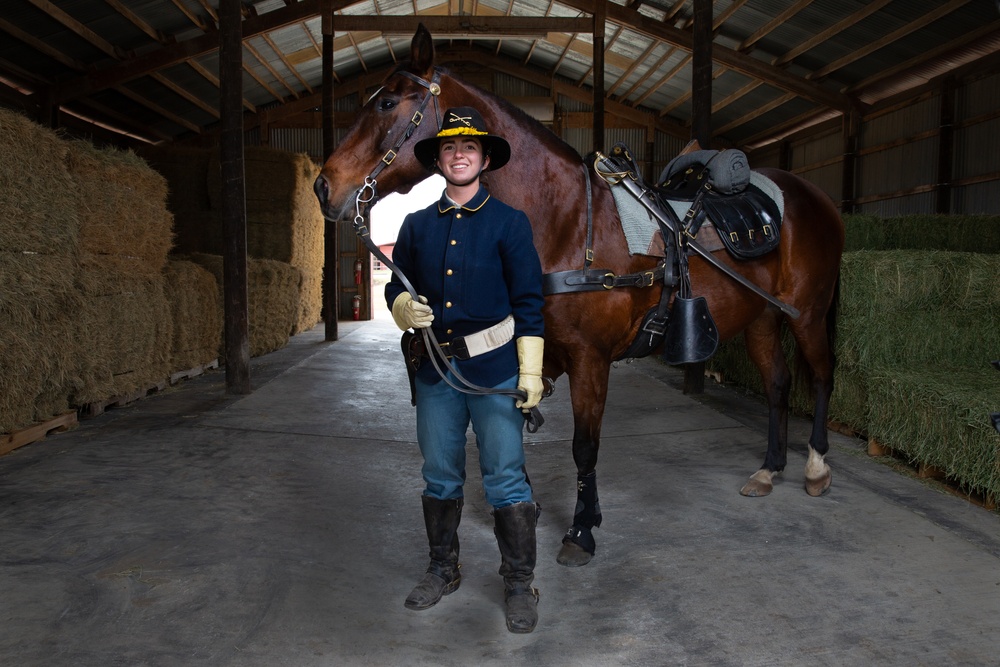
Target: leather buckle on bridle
389,157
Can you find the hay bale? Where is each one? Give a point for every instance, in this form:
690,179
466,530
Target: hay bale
940,417
39,261
196,312
38,206
273,294
945,302
958,233
37,355
284,221
122,204
124,327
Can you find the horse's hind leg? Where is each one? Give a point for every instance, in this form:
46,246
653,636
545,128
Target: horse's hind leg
815,347
589,390
763,339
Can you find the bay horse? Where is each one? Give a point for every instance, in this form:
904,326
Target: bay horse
585,332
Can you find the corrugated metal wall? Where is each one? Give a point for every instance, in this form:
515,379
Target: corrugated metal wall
976,146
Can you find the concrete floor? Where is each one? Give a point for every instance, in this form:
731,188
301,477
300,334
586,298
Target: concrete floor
284,528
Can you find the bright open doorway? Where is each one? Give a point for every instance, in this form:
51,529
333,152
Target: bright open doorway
386,217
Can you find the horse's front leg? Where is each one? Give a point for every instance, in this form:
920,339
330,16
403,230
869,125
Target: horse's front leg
589,390
763,338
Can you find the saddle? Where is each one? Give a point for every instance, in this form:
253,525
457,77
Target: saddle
715,186
746,218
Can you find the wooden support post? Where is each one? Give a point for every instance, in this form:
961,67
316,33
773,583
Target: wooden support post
701,128
331,266
946,146
234,214
847,185
600,19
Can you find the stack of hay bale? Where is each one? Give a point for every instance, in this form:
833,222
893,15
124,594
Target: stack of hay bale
92,309
284,222
917,327
39,262
124,325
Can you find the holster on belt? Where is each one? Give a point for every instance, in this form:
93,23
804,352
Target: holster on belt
412,346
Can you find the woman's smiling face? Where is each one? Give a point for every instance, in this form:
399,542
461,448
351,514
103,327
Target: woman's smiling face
461,159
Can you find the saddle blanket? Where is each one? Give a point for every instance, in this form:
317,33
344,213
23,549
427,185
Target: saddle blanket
641,228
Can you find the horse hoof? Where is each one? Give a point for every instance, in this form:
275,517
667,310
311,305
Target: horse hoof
573,555
759,485
818,475
820,485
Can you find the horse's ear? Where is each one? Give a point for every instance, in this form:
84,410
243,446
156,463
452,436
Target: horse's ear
691,147
422,50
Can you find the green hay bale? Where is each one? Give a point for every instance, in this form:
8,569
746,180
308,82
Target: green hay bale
940,417
959,233
893,280
196,312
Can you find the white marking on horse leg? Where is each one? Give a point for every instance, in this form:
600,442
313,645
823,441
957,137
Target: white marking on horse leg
759,484
818,475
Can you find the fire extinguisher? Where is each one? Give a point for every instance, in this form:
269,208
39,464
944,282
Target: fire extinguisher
357,271
357,306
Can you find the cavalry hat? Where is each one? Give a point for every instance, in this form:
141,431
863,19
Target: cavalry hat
463,121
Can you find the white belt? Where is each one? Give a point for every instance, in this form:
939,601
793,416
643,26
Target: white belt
481,342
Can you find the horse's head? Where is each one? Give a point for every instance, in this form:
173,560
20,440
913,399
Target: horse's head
379,145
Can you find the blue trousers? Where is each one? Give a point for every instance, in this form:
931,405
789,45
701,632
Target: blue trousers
443,417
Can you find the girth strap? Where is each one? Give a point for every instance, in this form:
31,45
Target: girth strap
596,280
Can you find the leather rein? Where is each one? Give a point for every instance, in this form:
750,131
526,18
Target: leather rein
366,197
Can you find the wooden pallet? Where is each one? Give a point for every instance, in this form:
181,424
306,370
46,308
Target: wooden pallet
98,408
193,372
924,471
11,441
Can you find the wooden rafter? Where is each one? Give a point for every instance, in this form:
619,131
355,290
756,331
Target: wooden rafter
838,27
768,27
214,80
267,65
858,54
78,28
191,16
281,56
650,71
153,106
631,68
40,46
187,95
142,25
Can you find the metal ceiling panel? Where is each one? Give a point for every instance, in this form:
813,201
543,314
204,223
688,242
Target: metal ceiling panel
38,51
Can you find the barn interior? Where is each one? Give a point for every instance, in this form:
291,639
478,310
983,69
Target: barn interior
184,482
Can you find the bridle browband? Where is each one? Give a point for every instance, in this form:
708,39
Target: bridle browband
367,196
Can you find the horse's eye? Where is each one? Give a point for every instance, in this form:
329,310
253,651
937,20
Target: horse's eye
386,104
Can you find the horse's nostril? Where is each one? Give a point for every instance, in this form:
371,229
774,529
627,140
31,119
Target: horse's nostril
322,189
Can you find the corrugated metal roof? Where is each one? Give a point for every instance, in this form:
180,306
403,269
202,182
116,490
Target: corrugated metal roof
863,51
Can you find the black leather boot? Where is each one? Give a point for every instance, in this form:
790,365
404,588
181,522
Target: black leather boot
441,518
515,531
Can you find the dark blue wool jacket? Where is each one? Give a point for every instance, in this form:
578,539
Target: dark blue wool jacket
476,264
